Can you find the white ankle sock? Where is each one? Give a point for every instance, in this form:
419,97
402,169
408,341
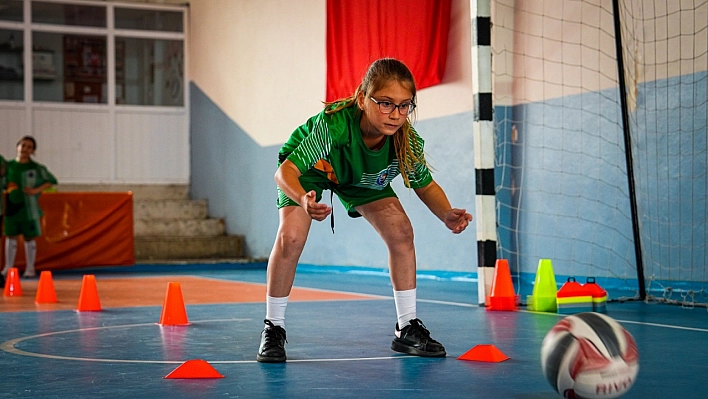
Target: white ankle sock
10,251
405,306
275,309
31,255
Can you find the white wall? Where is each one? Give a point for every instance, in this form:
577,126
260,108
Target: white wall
263,63
100,144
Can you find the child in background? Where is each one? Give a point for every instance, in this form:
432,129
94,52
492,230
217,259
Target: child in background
26,180
355,148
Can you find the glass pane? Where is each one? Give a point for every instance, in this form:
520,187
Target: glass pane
11,10
68,14
131,18
69,68
149,72
12,85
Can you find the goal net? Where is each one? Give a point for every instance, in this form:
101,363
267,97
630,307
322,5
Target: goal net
618,197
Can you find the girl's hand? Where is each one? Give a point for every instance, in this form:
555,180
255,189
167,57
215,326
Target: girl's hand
32,190
313,208
457,220
37,190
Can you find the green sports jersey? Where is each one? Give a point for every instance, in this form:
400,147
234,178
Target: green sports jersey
334,144
20,206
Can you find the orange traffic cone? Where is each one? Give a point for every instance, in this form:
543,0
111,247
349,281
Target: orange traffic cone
484,353
502,296
173,311
45,289
88,297
196,368
12,284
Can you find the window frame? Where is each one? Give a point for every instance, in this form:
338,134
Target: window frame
109,32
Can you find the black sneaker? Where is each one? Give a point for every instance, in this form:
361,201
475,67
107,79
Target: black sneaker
415,339
272,349
2,281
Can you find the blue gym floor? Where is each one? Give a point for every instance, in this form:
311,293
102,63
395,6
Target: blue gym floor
336,348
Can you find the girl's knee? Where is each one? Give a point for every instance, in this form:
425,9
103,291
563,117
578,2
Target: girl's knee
399,236
290,241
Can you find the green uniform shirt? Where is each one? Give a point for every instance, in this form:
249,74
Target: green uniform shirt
330,153
20,206
336,139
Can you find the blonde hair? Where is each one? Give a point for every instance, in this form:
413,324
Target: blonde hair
380,73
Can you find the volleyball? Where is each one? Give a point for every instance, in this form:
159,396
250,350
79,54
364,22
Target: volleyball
589,356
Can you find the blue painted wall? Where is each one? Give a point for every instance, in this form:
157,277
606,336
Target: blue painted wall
569,169
234,173
671,156
563,190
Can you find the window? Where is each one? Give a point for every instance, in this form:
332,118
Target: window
149,72
11,10
69,53
68,14
69,68
12,86
140,19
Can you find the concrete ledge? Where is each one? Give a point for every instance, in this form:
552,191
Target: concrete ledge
182,228
140,191
170,209
165,248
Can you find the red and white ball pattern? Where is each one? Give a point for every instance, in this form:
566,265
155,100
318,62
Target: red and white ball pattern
588,356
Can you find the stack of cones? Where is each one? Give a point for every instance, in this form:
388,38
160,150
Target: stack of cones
45,289
12,284
543,298
599,295
573,298
88,297
173,311
502,296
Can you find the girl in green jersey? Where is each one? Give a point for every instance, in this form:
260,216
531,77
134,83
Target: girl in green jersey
26,180
354,148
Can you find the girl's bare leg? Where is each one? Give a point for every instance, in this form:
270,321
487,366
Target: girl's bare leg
289,243
391,222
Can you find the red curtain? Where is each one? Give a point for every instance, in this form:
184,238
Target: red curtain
360,32
82,230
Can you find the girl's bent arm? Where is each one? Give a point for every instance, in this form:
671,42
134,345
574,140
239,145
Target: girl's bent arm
38,189
287,177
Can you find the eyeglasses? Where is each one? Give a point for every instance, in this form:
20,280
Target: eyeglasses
387,107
